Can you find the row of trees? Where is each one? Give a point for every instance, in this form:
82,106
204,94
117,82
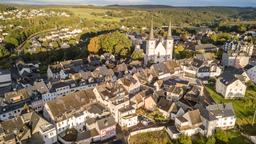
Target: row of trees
115,43
221,38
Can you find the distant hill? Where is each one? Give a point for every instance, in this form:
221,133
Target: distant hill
140,6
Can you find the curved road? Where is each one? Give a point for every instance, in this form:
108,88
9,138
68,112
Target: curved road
19,48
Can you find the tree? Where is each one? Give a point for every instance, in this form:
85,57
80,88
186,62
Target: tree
137,55
11,42
94,45
185,139
242,28
211,140
178,49
72,42
45,44
55,44
116,43
221,136
3,52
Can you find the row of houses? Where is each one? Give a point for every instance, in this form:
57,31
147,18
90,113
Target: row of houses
237,53
29,13
49,40
228,84
82,101
75,74
97,111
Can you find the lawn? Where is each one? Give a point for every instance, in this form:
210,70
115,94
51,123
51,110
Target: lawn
244,108
222,137
158,137
156,115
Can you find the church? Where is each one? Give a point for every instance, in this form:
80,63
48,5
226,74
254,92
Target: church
159,50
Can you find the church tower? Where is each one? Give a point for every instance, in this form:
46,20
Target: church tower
169,43
150,45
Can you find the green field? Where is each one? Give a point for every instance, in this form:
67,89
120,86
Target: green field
93,13
244,108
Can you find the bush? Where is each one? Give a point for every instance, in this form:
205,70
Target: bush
137,55
221,136
185,139
211,140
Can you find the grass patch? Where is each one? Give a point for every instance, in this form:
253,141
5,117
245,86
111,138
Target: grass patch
157,137
244,108
222,137
156,115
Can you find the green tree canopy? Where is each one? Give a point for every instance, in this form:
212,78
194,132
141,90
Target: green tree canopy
137,55
211,140
185,139
221,136
3,51
116,43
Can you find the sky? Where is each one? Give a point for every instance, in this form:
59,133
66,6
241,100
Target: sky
236,3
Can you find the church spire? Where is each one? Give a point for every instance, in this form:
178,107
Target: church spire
169,36
151,35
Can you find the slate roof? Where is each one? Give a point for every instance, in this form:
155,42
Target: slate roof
205,46
128,80
197,63
64,107
29,122
247,67
164,104
227,78
111,90
160,69
207,114
4,71
96,109
224,110
233,71
194,116
106,122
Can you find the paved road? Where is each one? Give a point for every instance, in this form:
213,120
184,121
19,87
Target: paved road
19,48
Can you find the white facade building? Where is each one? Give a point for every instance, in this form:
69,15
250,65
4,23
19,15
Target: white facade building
230,87
159,50
69,111
5,78
224,114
